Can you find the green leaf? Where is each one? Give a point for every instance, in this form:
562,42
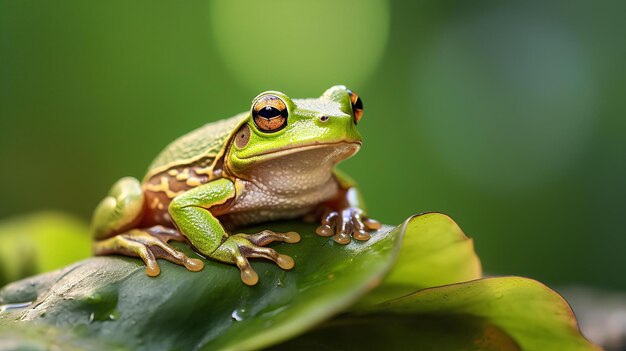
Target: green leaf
110,300
403,332
434,251
34,337
535,316
213,307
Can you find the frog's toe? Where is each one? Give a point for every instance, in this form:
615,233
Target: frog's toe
267,236
347,224
165,251
328,224
291,237
239,247
371,224
153,269
360,232
342,238
344,227
152,266
248,275
194,264
325,230
283,261
125,244
149,247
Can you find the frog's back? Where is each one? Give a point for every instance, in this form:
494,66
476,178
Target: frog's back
204,143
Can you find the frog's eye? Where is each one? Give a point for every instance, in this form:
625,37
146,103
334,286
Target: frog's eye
269,113
357,106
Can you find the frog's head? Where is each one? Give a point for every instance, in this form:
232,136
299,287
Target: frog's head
279,127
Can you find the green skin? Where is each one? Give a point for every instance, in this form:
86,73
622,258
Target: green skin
317,134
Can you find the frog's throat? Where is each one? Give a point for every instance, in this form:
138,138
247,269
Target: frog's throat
314,159
295,171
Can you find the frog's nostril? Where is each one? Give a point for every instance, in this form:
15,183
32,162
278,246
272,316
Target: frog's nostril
324,118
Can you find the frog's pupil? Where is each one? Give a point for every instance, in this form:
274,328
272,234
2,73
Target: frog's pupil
358,105
269,112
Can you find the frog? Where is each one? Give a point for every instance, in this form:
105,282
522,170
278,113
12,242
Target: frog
276,161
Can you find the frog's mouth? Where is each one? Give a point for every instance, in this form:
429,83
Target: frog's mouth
350,148
293,169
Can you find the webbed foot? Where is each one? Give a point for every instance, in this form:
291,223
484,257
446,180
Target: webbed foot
149,245
239,247
351,221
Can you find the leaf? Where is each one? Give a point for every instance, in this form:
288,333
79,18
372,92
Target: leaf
110,300
434,252
535,316
40,242
403,332
33,337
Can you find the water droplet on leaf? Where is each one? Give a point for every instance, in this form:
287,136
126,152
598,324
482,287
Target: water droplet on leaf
238,314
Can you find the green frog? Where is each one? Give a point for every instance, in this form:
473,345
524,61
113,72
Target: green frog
275,161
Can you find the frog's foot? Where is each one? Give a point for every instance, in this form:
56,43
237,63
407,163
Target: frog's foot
350,221
149,244
239,247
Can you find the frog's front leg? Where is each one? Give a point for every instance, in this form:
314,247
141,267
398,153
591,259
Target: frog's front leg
345,215
190,212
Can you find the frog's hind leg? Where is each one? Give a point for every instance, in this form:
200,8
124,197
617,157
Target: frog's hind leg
149,245
120,210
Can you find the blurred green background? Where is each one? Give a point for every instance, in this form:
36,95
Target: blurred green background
508,117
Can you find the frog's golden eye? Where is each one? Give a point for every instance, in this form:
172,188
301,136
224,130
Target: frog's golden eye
357,106
269,113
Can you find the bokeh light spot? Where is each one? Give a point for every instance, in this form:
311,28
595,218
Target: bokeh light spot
504,99
297,46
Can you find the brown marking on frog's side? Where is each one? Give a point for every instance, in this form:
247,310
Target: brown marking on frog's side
156,209
218,169
204,171
204,166
193,182
210,169
162,185
154,203
183,175
204,162
161,188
